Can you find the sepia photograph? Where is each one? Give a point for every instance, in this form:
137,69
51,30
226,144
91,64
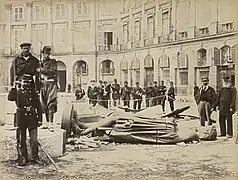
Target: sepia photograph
118,89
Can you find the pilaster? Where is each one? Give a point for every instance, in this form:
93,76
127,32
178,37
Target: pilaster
7,49
29,21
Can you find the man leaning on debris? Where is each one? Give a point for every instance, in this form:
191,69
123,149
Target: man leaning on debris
206,97
226,102
28,114
48,92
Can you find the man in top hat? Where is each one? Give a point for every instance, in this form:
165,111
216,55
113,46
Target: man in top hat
79,92
126,94
115,87
226,102
92,93
137,96
29,113
48,92
149,94
171,95
206,98
162,98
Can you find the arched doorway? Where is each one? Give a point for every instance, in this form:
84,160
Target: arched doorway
202,66
61,75
134,71
107,70
149,70
164,68
124,70
80,68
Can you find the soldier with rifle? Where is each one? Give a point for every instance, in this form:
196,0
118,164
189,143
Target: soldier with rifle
29,113
48,90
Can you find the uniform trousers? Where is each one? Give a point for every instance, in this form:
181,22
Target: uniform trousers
204,109
225,122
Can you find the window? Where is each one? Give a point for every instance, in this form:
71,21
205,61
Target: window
81,68
18,13
225,55
183,35
203,31
60,10
164,61
125,33
137,30
108,40
227,27
183,77
82,8
17,38
39,12
107,67
39,35
150,27
202,57
165,23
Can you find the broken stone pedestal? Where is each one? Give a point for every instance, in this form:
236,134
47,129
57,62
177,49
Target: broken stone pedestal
53,142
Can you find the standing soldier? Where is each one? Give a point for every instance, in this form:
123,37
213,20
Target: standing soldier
156,94
195,92
162,91
69,88
137,95
226,102
206,97
100,92
115,92
105,94
149,94
28,114
92,93
171,96
126,94
79,92
48,92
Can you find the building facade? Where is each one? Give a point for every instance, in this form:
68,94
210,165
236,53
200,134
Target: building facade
133,40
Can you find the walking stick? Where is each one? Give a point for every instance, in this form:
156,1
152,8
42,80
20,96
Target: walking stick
48,156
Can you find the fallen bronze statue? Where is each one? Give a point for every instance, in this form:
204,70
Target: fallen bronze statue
118,126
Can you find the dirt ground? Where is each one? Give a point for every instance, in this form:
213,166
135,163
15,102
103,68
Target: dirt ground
203,160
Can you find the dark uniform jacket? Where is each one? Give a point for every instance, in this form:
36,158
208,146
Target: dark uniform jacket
92,92
171,93
226,99
115,91
149,92
137,93
162,91
29,110
49,68
208,95
156,90
79,93
106,91
125,93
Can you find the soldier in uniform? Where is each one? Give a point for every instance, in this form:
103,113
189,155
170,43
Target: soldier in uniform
226,102
100,92
29,112
171,96
92,93
79,92
137,95
48,92
156,94
206,98
149,94
115,87
105,94
162,91
126,94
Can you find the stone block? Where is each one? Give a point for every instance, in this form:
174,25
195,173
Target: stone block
53,142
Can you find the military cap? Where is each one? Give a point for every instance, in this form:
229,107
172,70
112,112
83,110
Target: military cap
205,79
92,80
47,49
25,44
100,81
137,83
125,82
155,82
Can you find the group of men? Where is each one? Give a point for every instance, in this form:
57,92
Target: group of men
154,94
34,90
208,101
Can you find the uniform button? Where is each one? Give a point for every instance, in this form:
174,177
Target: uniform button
30,99
25,114
30,114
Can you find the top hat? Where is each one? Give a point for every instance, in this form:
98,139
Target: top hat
25,44
47,49
93,81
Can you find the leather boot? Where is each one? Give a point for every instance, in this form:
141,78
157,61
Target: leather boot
51,118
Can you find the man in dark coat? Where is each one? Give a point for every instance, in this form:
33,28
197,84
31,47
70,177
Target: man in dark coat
195,92
156,94
105,94
206,98
137,96
115,87
149,94
162,98
29,112
48,91
226,102
92,93
126,94
171,96
79,92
